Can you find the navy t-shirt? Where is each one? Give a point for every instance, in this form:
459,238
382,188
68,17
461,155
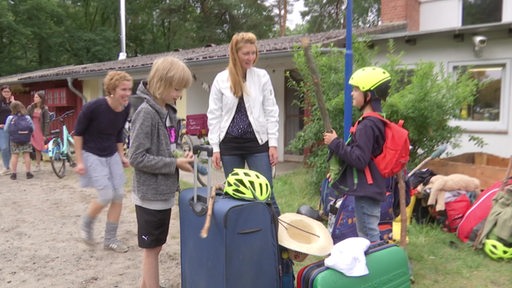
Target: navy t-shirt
5,110
101,127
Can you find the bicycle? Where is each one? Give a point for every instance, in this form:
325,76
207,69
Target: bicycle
193,132
60,149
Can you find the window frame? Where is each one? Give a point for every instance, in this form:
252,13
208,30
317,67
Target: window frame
461,20
500,126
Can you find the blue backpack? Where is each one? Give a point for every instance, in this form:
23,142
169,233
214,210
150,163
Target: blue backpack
20,129
340,210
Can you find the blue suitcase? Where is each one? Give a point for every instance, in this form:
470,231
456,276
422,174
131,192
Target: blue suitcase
241,249
388,266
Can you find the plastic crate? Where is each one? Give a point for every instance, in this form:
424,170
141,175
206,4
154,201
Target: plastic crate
197,124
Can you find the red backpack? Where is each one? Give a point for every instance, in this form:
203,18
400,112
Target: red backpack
395,151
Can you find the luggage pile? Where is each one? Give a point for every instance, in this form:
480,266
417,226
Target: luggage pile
495,236
231,237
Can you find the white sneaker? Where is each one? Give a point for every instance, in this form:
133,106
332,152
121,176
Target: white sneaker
5,172
116,246
37,168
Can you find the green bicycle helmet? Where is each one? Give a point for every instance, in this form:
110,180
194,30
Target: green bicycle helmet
247,184
372,78
496,250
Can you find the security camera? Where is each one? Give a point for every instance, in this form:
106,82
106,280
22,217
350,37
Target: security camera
479,41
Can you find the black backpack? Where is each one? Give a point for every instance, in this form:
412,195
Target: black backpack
20,129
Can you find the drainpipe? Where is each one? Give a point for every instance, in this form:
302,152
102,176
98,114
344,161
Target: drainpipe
78,93
122,54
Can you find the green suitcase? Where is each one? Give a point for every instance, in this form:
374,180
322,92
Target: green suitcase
388,266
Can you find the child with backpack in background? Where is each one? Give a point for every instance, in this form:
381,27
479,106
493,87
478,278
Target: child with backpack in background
19,126
360,176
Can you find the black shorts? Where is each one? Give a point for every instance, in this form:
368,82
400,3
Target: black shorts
152,226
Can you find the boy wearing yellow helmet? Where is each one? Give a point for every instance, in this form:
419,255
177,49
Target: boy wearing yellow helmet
370,87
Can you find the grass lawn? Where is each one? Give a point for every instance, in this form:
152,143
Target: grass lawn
438,259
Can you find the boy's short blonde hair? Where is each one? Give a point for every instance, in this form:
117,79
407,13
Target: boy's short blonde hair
113,80
168,73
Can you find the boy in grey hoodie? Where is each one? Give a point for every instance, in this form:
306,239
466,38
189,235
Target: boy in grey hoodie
153,136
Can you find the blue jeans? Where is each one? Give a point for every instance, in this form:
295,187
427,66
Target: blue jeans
367,213
259,162
5,148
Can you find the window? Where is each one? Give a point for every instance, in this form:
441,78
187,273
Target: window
487,113
476,12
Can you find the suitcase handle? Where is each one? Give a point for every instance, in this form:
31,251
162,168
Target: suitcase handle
199,208
203,147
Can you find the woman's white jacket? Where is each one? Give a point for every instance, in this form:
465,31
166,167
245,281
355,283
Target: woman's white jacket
259,101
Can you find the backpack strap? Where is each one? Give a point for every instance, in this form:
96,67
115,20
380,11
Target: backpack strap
368,175
367,172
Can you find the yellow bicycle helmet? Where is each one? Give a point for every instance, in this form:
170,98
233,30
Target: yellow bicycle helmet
496,250
247,185
372,78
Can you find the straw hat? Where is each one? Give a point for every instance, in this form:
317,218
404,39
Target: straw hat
303,234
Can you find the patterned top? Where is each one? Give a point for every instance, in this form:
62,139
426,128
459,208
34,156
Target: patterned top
240,125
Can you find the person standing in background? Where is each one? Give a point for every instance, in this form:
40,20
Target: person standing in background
100,159
40,116
5,111
243,116
18,114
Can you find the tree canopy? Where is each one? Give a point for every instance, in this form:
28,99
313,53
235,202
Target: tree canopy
38,34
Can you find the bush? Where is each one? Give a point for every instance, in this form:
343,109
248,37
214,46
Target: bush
424,96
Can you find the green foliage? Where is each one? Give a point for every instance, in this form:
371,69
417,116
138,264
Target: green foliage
427,104
331,71
330,66
38,34
325,15
425,97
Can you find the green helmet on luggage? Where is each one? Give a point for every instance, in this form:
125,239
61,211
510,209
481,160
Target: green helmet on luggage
247,184
372,78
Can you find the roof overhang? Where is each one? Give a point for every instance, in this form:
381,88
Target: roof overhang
473,29
212,54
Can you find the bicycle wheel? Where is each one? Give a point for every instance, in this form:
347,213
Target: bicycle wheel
71,161
202,173
186,144
126,138
58,162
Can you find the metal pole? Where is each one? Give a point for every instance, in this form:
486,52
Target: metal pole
122,54
347,115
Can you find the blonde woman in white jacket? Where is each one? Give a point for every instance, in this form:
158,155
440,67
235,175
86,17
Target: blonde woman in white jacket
243,116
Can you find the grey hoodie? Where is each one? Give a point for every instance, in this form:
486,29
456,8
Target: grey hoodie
150,152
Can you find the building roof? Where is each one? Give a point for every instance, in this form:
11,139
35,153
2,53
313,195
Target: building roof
194,56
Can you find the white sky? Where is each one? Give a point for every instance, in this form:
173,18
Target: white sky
294,18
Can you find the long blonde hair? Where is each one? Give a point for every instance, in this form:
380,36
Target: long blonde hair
234,68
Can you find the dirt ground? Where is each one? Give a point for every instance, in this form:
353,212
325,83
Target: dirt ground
40,244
